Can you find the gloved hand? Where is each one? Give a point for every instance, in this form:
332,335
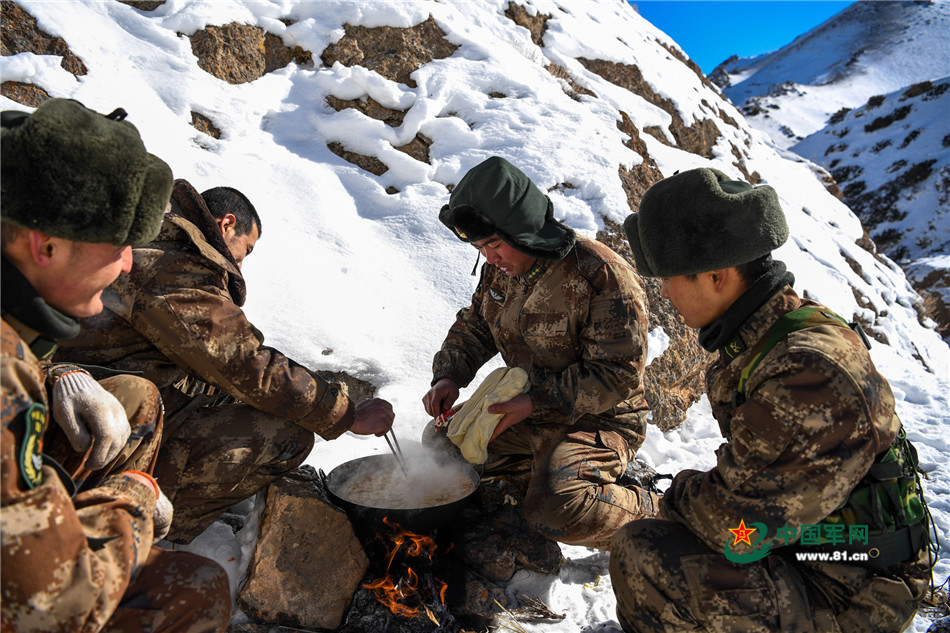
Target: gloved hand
164,513
472,427
88,414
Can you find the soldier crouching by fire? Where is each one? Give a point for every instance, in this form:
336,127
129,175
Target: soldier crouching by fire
78,188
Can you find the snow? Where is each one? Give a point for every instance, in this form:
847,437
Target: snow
915,138
348,277
869,48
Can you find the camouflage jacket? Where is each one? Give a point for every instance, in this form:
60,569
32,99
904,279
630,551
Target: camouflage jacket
578,326
817,413
178,315
66,561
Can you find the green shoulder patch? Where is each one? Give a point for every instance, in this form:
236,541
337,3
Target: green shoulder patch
31,446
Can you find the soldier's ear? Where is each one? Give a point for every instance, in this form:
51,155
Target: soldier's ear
227,223
42,248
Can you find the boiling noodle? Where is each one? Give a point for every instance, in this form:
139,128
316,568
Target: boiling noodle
389,488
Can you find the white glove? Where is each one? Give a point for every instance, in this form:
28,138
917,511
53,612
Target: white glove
88,414
164,512
472,427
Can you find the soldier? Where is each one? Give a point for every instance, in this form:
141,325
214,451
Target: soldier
77,189
814,451
239,414
569,312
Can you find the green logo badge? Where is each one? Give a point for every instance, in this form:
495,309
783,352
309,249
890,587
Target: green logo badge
31,448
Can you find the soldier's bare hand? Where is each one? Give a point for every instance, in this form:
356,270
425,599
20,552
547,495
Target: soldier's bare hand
441,397
374,416
517,409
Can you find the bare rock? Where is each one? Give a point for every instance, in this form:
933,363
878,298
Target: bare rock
19,33
356,388
308,562
392,52
203,124
369,107
144,5
369,163
23,93
536,24
698,138
241,53
676,379
418,148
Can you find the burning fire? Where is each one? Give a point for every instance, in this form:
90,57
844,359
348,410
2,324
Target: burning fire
407,594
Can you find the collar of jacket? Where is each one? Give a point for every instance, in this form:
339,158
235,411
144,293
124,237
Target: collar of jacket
724,333
37,322
188,205
534,273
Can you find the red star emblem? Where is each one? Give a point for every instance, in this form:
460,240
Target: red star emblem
742,533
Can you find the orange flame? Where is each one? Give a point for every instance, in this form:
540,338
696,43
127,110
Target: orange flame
395,595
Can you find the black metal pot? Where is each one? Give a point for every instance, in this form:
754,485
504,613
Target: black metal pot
421,520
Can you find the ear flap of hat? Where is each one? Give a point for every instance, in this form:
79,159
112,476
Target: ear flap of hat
632,229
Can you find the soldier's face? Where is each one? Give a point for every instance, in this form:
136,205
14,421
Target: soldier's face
694,297
500,254
74,284
240,246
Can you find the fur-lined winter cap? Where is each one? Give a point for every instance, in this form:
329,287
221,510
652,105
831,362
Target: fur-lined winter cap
497,197
699,220
79,175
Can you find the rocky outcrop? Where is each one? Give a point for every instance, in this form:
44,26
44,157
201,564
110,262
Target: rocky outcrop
241,53
20,34
392,52
698,138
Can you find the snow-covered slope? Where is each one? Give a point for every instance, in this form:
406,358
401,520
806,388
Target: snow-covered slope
354,272
868,49
891,159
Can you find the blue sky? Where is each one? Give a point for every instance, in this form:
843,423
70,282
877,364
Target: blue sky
710,31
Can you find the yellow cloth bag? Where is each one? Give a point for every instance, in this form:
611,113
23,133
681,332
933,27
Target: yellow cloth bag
472,427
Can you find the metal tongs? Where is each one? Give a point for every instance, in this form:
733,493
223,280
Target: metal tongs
397,451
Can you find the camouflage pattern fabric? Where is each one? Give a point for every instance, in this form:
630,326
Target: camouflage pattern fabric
817,414
572,496
84,563
578,326
219,455
143,406
666,579
178,315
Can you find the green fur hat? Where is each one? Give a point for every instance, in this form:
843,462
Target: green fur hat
497,197
699,220
76,174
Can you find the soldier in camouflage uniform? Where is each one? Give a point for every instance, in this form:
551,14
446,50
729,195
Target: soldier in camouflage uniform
238,414
570,312
802,430
77,188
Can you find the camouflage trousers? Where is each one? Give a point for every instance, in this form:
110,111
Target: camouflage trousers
666,579
143,406
174,592
572,495
214,456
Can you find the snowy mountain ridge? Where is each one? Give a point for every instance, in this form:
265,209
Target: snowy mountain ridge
868,49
